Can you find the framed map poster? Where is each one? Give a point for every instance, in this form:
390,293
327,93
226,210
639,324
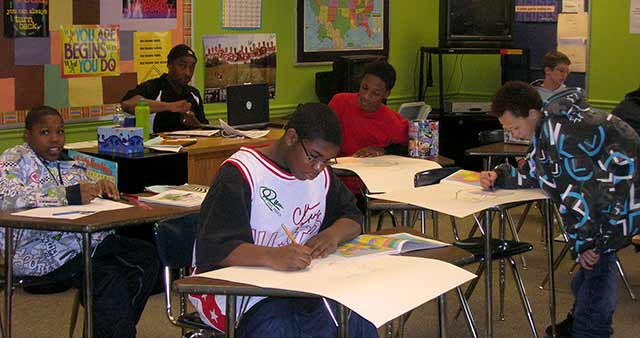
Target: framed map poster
327,29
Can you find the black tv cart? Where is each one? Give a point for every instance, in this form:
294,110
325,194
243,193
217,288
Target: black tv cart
466,50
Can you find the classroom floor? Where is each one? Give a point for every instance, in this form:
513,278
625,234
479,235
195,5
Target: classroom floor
46,316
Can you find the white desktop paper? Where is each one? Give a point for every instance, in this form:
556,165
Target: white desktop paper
385,173
459,200
362,284
200,133
74,211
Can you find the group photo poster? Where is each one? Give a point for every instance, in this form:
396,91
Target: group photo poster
26,18
149,9
90,50
235,59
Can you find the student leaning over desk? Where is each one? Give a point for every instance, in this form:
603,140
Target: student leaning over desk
38,174
256,193
587,163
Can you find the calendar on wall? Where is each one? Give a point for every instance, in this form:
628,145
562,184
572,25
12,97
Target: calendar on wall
241,14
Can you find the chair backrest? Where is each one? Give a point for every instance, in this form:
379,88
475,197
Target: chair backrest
414,110
491,136
174,239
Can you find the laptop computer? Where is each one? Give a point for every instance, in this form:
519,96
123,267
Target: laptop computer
248,106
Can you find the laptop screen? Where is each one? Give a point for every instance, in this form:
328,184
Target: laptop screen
248,105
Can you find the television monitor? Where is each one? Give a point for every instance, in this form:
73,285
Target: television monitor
348,70
476,23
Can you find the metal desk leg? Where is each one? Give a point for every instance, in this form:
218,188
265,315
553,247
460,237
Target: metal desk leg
488,274
88,284
442,315
436,230
8,287
343,321
552,281
231,316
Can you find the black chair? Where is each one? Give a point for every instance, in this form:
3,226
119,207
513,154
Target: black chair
174,239
501,250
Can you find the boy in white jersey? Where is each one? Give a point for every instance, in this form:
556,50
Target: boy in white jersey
256,193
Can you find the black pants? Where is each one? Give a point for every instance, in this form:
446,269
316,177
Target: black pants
124,272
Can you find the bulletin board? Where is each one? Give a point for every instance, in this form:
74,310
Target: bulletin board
541,37
30,67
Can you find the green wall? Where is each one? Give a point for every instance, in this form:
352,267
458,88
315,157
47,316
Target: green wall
613,61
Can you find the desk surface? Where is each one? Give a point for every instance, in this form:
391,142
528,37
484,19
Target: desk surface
104,220
451,254
498,149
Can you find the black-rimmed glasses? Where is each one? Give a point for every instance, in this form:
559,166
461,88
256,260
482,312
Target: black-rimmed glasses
316,159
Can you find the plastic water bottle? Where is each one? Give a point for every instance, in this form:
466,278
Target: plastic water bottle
118,116
142,118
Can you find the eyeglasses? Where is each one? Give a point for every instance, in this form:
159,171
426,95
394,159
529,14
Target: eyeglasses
316,159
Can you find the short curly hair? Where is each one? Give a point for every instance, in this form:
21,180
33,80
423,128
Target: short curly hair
517,97
37,113
313,121
383,70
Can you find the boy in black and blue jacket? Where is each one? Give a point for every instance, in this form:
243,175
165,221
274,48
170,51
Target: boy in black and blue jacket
587,163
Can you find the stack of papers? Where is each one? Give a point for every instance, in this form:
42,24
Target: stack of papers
388,244
178,198
174,145
229,130
200,133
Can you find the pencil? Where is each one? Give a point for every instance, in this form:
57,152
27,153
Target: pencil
293,240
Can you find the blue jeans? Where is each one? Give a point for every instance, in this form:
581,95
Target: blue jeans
300,318
595,299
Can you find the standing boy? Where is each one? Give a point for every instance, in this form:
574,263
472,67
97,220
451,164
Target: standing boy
587,163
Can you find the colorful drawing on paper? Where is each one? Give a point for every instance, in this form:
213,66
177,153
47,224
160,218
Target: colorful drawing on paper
465,176
234,59
149,9
90,50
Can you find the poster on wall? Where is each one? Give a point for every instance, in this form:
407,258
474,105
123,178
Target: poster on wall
26,18
149,9
233,59
90,50
151,50
536,10
326,29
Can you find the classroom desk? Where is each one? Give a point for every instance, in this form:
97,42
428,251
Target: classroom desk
451,254
500,149
206,156
101,221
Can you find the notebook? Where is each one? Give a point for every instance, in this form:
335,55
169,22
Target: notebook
248,106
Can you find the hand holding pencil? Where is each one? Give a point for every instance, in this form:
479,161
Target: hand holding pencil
488,179
290,257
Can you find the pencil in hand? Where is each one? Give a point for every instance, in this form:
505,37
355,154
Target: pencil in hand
291,238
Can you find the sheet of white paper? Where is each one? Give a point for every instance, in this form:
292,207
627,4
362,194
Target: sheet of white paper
457,200
74,211
385,173
202,133
634,17
229,130
576,50
81,145
361,282
572,6
573,25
